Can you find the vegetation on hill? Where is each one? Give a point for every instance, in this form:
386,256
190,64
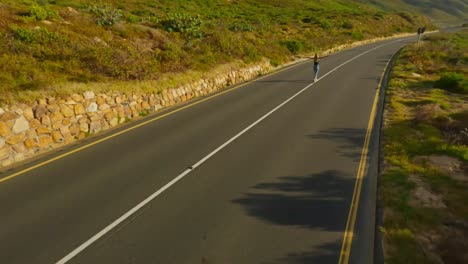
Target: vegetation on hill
49,46
442,12
425,146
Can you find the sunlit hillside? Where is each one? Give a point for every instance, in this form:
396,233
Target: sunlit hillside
47,43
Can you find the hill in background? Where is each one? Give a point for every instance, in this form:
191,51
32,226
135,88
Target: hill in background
442,12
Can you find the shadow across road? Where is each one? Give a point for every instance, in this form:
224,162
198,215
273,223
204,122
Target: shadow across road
317,201
350,140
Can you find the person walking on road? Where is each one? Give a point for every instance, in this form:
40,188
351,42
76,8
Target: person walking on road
316,65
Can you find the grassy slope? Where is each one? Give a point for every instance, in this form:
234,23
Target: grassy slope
425,210
57,46
437,10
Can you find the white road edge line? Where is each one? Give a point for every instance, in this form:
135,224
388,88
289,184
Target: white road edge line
114,224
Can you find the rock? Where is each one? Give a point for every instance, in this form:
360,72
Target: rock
92,115
74,130
104,107
43,130
93,107
65,132
4,129
84,127
56,117
19,148
30,143
39,111
7,116
28,113
57,137
77,97
110,100
45,141
100,100
5,152
108,116
145,105
95,126
15,139
2,111
53,107
95,118
81,135
67,111
104,125
45,120
42,102
17,110
83,120
121,114
31,133
72,10
34,123
114,122
79,109
88,95
57,125
118,100
21,125
66,122
2,142
18,157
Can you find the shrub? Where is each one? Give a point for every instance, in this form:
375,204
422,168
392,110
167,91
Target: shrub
41,35
106,15
357,35
22,34
294,46
133,18
241,27
185,24
453,82
325,24
38,10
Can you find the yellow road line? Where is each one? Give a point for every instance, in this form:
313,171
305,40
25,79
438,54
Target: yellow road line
350,223
9,177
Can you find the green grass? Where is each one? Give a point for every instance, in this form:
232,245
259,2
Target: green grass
416,106
48,45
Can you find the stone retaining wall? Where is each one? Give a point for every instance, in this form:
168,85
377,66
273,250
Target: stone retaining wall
27,130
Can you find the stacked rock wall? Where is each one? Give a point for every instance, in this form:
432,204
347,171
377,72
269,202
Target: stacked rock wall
50,123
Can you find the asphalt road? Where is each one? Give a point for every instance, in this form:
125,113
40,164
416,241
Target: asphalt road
279,192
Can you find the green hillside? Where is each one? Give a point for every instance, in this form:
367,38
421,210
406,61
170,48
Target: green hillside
55,46
440,11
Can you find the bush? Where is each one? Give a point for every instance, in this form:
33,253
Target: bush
133,18
23,34
185,24
41,35
39,11
241,27
106,15
325,24
294,46
357,35
453,82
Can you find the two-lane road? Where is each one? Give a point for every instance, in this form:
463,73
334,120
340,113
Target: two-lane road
264,173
